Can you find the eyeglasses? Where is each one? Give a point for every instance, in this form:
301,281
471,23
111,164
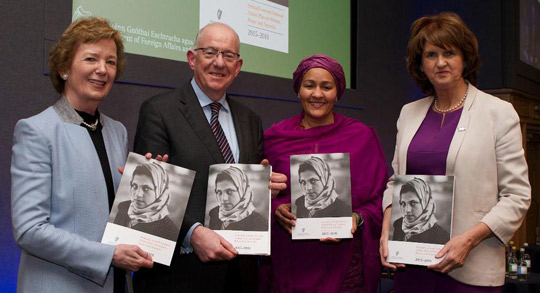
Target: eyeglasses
212,53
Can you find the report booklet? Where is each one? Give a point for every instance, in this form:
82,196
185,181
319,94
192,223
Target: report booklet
238,206
149,206
321,196
421,221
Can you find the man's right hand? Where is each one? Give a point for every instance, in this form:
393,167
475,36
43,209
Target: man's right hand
131,258
210,246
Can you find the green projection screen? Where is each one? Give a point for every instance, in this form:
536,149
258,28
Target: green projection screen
274,34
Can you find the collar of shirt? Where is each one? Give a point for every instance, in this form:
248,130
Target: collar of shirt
204,100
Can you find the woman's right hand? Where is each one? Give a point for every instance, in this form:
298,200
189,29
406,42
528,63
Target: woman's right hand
131,258
285,218
383,243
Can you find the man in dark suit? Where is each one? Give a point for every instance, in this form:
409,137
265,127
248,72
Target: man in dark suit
178,123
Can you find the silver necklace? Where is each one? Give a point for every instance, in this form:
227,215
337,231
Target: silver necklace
451,108
92,126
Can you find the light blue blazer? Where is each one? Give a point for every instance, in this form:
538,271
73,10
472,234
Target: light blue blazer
59,201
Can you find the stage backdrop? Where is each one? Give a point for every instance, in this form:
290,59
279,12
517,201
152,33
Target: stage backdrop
274,34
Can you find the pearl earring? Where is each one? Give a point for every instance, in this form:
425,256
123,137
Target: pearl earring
64,76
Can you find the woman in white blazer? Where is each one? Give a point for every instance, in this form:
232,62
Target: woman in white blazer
461,131
64,174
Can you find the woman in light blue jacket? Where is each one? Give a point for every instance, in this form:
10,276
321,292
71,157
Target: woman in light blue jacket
64,174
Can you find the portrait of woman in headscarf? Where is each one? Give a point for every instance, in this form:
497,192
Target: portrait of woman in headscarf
235,210
418,222
148,211
320,198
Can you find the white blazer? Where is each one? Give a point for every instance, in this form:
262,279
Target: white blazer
59,201
491,178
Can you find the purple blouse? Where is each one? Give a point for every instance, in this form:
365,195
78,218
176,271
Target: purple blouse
428,150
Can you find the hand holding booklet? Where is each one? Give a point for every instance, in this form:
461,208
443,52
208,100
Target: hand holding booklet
149,206
421,218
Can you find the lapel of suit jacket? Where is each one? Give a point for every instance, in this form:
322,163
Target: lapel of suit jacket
86,157
461,130
81,141
90,183
78,136
239,120
191,109
412,123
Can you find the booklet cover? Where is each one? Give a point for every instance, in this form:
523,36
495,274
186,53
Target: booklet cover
149,206
321,196
238,206
421,220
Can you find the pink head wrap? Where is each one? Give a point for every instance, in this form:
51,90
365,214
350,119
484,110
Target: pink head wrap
320,61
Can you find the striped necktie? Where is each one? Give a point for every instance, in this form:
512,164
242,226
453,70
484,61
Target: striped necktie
219,134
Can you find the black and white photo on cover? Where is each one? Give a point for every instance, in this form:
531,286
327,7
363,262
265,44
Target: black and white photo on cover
321,185
422,209
152,197
238,197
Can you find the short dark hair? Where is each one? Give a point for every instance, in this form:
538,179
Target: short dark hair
221,176
305,166
445,30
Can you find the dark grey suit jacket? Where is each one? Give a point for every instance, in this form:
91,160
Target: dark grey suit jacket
174,123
